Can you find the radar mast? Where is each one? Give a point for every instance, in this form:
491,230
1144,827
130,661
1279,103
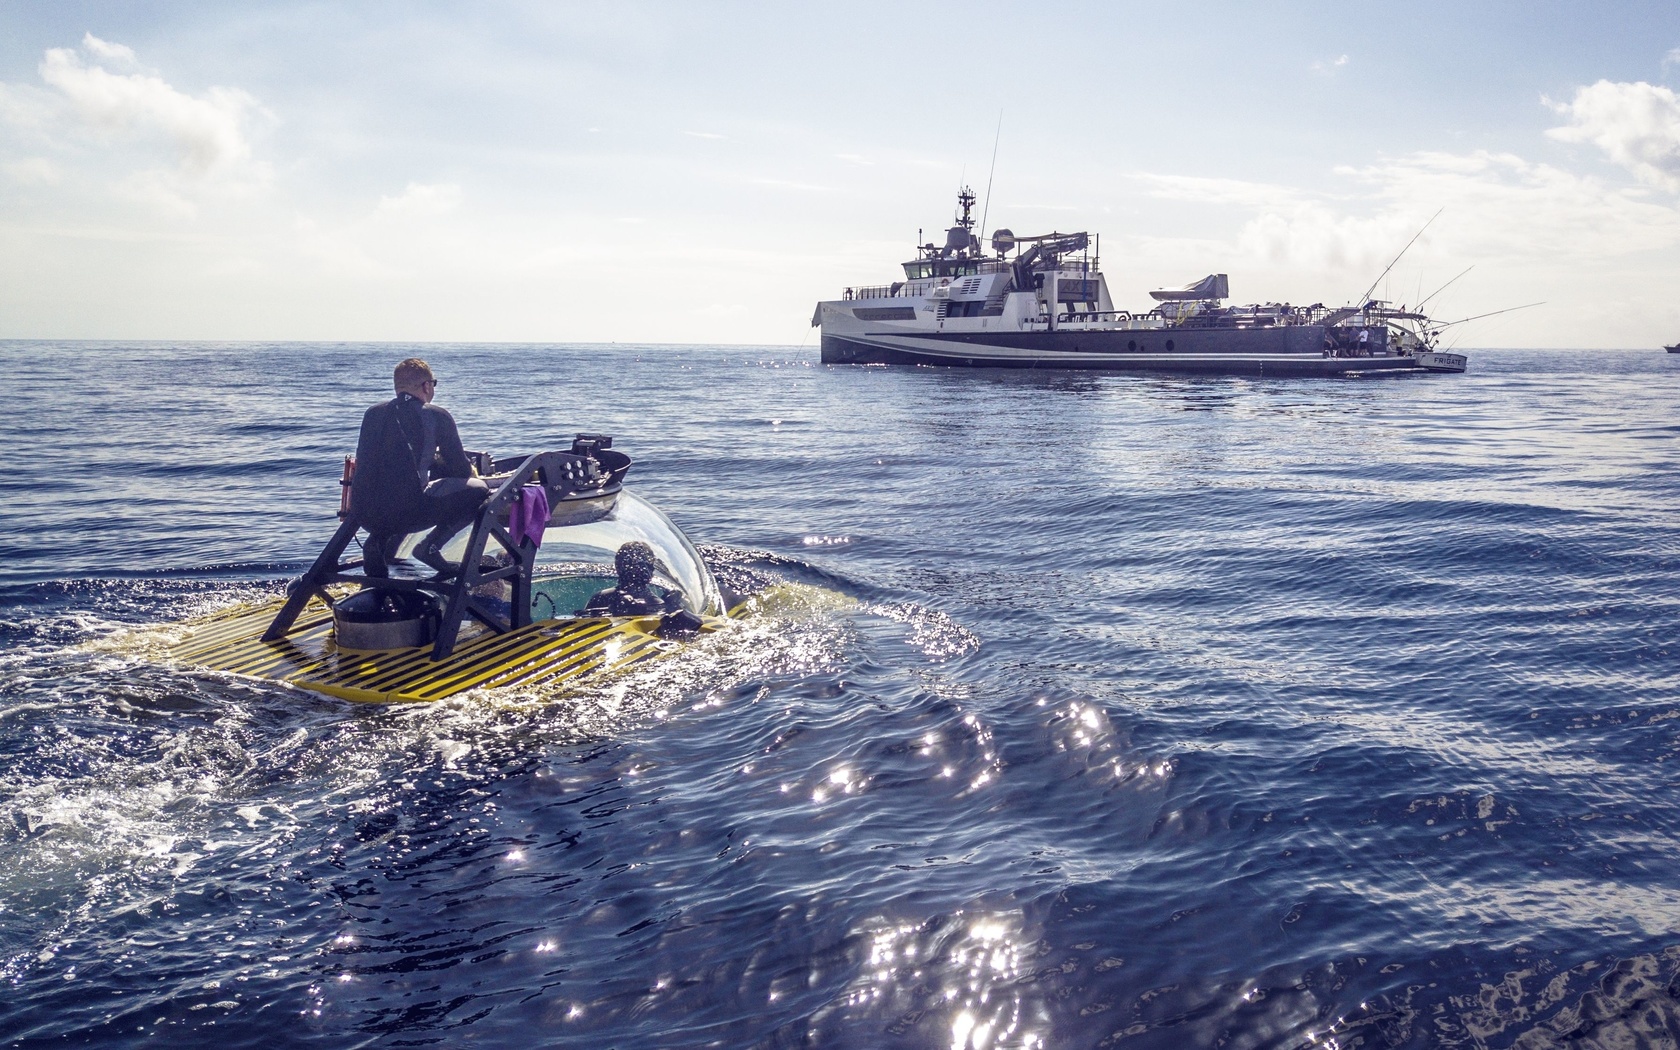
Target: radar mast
965,197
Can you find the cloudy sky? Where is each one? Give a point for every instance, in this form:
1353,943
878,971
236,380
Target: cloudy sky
704,172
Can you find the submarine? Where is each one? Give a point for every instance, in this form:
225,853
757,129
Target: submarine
564,575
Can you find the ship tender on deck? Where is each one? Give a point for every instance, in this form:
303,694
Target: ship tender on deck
1049,307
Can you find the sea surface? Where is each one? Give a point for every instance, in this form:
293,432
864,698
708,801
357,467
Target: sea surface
1119,711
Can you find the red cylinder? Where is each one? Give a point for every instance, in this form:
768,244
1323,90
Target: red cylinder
344,487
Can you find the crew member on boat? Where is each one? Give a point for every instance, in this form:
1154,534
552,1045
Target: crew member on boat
411,472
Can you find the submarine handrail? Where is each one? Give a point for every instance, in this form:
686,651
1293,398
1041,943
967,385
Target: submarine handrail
457,586
514,483
471,575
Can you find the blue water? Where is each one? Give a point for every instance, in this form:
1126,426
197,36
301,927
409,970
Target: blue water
1120,712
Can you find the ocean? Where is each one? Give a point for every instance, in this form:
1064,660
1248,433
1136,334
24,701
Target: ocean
1121,711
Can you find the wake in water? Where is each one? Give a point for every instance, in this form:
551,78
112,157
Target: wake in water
183,803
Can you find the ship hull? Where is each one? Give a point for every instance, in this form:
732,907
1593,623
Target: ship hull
1295,350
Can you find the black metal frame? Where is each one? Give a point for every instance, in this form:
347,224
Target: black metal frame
455,585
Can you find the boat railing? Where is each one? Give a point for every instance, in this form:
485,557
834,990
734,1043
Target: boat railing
920,286
878,291
1105,316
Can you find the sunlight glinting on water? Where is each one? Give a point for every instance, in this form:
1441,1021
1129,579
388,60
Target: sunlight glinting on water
1145,713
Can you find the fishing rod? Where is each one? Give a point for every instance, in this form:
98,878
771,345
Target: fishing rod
985,209
1444,287
1367,296
1478,317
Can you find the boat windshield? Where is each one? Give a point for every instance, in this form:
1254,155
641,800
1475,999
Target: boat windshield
920,268
576,561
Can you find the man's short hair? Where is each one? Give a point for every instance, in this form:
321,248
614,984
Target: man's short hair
411,372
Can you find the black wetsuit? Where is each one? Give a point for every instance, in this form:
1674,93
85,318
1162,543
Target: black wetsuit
627,601
404,446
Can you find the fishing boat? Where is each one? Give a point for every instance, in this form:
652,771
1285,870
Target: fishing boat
1675,349
512,605
1041,301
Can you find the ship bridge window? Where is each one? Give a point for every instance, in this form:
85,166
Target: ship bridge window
922,268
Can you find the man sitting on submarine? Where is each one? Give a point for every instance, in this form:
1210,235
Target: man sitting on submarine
411,473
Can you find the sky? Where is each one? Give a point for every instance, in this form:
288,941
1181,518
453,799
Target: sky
706,172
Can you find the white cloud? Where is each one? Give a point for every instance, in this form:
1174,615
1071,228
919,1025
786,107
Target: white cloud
339,252
786,184
99,116
1497,206
207,132
32,171
1200,190
405,236
100,122
1329,67
1598,249
1312,234
159,191
24,108
113,54
1636,125
422,199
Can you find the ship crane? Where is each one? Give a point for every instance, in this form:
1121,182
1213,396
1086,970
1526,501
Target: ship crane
1047,249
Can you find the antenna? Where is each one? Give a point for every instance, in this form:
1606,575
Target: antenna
986,208
1367,296
1438,291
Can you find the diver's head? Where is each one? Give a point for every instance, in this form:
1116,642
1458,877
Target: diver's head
414,376
635,563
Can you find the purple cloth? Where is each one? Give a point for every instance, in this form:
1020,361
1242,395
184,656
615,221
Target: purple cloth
529,516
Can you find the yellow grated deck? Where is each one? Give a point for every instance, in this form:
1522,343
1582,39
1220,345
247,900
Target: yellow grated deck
545,652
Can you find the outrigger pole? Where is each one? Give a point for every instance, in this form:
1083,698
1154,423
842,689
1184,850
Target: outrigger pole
1367,296
1491,313
1444,287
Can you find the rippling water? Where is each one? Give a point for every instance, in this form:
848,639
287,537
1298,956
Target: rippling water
1131,712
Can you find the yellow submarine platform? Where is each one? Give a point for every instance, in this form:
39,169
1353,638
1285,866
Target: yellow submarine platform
540,654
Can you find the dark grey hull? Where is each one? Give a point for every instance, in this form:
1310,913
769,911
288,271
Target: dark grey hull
1296,350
